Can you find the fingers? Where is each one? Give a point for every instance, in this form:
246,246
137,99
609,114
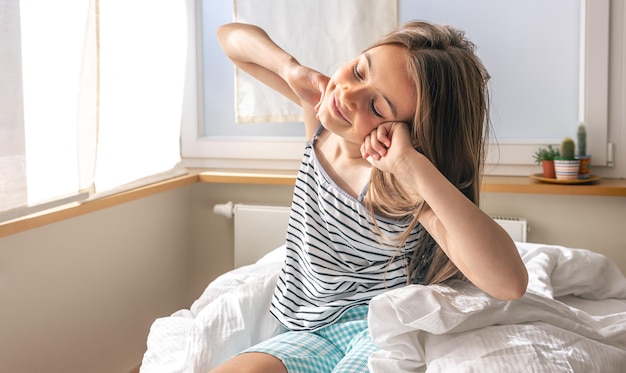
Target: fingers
376,144
322,82
383,136
319,103
308,84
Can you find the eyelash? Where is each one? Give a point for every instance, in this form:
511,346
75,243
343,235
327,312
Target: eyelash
356,73
355,70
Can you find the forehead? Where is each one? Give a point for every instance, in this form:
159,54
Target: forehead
390,75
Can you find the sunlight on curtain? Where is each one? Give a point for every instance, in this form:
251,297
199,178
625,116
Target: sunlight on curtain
91,94
143,49
40,60
52,32
12,159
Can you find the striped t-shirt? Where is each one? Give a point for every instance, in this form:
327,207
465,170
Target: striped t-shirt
335,258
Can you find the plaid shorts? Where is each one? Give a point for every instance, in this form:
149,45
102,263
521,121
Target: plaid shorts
344,346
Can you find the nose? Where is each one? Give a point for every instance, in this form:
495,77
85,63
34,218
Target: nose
352,94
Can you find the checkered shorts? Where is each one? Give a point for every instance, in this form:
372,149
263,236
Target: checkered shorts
344,346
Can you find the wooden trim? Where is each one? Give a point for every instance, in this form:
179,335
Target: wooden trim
526,185
75,209
249,177
491,184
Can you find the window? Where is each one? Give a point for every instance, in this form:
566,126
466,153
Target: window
92,96
510,154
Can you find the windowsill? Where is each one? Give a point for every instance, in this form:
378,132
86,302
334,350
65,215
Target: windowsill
524,184
76,209
491,184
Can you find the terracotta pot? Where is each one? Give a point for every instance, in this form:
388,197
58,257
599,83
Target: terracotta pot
548,169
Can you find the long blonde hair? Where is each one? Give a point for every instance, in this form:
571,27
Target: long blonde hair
449,127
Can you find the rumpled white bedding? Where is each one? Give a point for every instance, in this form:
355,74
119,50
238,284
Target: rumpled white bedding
231,314
459,328
572,319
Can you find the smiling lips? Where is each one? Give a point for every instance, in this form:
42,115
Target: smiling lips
337,110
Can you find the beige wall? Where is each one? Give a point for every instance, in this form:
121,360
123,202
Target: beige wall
595,223
588,222
80,295
213,234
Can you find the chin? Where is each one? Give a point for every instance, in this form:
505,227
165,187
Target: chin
323,116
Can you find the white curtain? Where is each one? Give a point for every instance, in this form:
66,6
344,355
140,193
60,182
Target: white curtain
321,34
91,94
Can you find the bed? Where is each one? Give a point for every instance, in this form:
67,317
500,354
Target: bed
571,319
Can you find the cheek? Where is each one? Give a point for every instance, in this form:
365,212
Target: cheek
365,126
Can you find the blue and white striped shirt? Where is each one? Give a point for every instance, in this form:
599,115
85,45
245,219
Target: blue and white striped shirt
336,259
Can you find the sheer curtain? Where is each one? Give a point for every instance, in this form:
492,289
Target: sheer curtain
91,95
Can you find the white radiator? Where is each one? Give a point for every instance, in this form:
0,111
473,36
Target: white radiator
262,228
515,227
258,229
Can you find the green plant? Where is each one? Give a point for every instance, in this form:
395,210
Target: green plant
546,154
567,148
582,140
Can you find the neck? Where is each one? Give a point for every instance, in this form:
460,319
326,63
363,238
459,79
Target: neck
338,148
343,163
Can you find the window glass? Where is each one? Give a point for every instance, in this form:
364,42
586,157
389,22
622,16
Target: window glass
218,87
530,47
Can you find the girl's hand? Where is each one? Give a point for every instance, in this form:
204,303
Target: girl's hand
307,83
387,145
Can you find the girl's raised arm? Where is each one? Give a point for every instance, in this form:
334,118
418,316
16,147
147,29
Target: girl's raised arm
252,50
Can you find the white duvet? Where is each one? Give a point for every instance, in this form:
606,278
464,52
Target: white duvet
572,319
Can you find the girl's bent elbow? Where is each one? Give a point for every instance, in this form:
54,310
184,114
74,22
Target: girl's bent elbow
516,288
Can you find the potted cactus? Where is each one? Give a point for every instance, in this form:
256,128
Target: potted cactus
582,156
566,165
545,157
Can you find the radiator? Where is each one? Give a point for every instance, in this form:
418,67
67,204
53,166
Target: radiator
261,228
258,229
515,227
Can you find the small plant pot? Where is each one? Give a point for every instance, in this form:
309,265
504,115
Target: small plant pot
566,169
583,168
548,169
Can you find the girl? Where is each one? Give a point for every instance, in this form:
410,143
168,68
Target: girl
387,193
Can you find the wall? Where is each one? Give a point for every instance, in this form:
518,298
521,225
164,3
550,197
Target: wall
595,223
588,222
80,295
212,242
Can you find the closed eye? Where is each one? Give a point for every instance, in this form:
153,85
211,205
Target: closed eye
357,74
373,108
